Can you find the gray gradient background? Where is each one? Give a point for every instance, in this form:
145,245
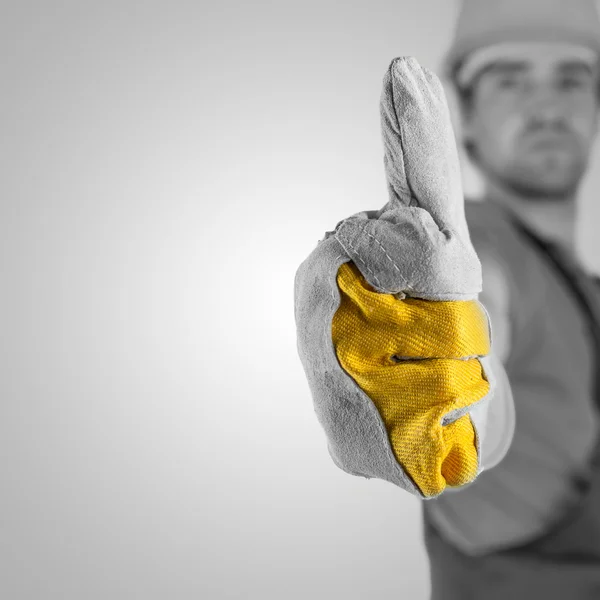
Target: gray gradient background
166,166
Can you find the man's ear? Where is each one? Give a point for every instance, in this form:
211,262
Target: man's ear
465,107
467,130
467,110
467,126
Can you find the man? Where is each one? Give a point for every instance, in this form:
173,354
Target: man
526,75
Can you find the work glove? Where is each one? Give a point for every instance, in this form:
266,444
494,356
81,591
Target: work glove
394,343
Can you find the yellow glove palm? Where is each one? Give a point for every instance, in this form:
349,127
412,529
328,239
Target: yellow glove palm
412,358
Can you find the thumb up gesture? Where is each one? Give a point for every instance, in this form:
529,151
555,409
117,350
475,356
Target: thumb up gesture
392,338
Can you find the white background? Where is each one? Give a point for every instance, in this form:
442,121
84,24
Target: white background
166,167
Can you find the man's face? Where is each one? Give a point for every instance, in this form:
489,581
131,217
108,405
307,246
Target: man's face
533,121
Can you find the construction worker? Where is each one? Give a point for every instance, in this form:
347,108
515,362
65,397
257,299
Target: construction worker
526,76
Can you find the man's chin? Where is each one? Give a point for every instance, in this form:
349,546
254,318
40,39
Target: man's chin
550,180
536,188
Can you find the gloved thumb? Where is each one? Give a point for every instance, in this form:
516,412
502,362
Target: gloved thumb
418,244
421,158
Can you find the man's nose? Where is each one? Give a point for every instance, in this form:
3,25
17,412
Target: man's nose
546,105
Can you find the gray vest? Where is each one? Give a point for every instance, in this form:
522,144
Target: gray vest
553,465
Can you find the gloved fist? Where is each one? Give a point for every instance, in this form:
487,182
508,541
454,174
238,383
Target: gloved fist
392,338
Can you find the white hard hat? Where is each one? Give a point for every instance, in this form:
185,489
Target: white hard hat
486,29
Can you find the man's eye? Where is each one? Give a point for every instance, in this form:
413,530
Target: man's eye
508,82
573,83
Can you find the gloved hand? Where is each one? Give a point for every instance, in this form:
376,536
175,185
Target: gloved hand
393,341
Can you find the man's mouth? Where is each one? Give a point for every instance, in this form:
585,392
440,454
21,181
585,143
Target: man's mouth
549,141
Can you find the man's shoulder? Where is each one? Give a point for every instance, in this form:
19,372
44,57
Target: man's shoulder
482,211
493,234
487,221
500,245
